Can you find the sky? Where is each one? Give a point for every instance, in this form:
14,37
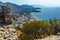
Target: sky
47,3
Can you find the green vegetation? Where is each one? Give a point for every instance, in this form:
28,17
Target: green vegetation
38,29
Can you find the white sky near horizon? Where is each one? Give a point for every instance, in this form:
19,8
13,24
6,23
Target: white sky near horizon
47,3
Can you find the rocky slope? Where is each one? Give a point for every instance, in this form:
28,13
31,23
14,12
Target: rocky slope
52,37
8,33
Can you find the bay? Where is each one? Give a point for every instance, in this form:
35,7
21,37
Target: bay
47,13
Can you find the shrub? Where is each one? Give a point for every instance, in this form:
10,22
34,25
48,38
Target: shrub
38,29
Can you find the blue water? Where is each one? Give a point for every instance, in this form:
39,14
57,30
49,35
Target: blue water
47,13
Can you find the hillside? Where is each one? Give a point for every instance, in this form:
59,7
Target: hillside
20,13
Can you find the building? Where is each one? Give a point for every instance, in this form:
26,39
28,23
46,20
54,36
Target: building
5,16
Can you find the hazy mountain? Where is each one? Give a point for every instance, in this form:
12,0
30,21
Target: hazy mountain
20,8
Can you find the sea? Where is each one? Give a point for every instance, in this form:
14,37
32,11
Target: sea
47,13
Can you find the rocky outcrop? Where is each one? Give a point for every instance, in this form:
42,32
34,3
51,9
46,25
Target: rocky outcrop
8,33
52,37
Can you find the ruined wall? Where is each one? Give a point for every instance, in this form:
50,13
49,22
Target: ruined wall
5,15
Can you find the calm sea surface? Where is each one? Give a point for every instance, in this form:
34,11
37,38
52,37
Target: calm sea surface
47,13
